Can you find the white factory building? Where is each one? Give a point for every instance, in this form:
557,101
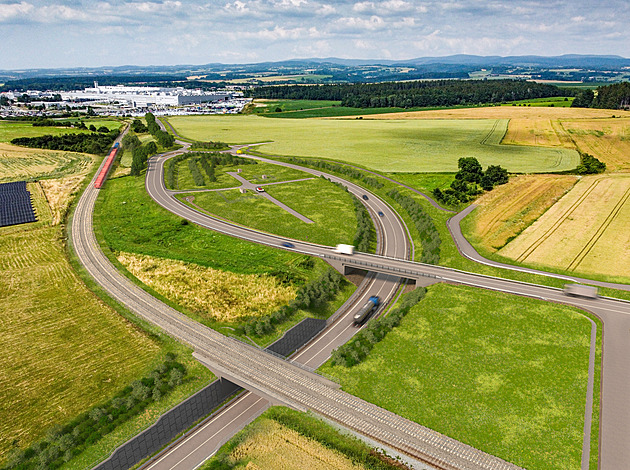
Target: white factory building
145,97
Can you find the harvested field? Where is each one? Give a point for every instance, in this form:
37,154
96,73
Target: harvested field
211,293
18,163
606,139
505,112
271,446
540,132
509,209
60,193
586,231
63,351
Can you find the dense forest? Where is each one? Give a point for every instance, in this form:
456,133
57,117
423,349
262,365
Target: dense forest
415,94
94,143
614,96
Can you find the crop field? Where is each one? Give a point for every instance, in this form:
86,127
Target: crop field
12,129
211,293
282,438
606,139
505,112
586,231
328,206
18,163
509,209
384,145
502,373
269,445
63,351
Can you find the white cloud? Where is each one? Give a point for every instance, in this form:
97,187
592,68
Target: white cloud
361,7
326,10
353,23
15,10
397,5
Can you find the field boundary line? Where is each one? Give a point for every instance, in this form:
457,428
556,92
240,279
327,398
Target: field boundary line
556,225
600,231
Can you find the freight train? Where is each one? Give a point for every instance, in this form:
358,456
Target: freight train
108,164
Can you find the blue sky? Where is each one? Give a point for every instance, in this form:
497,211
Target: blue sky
72,33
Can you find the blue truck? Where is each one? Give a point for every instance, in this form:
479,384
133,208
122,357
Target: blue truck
365,312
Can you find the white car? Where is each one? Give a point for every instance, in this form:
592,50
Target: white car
260,189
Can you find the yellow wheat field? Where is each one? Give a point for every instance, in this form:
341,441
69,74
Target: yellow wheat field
510,208
18,163
586,231
212,293
503,112
275,447
60,193
606,139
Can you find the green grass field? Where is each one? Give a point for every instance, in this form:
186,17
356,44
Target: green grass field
252,173
384,145
556,101
329,207
12,129
502,373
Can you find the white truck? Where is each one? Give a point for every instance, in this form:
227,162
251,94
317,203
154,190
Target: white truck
578,290
344,249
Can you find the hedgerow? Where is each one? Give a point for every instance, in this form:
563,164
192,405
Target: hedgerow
311,295
357,349
336,168
429,236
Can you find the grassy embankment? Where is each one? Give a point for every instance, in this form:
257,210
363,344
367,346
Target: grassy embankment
502,373
65,351
130,222
285,439
400,146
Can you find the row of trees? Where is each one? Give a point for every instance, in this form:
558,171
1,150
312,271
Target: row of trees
468,181
429,236
312,295
339,169
358,348
615,96
62,443
163,138
94,143
415,93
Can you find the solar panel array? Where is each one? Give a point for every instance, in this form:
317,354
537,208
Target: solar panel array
15,204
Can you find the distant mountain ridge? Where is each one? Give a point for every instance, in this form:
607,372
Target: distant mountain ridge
567,60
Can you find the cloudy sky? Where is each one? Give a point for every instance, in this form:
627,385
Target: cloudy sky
69,33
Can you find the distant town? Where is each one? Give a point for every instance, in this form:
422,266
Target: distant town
120,100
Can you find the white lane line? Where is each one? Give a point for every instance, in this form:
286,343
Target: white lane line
198,430
218,432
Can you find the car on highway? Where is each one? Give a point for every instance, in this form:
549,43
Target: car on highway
288,245
260,189
365,197
380,213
